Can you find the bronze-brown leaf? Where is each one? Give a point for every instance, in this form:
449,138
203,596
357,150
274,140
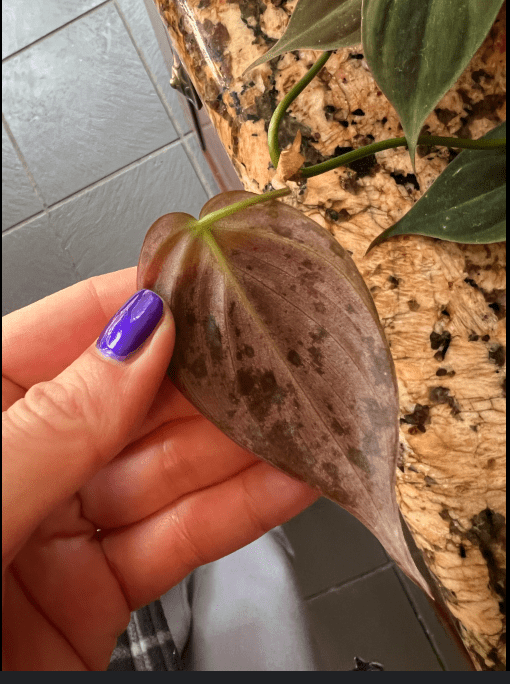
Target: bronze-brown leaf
279,344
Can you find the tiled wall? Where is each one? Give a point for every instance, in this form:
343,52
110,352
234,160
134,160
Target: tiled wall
95,144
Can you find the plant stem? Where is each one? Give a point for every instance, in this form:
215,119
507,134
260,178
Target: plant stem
349,157
274,124
202,224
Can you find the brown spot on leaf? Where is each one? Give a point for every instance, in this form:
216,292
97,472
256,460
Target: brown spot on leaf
198,368
316,356
335,425
319,335
260,389
245,350
282,230
282,437
413,305
359,459
294,358
331,470
213,337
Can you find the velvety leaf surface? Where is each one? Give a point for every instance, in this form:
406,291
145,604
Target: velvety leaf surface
319,25
417,49
467,203
278,344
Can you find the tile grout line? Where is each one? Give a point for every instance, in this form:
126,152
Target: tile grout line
51,33
350,582
163,100
23,162
428,635
96,184
38,193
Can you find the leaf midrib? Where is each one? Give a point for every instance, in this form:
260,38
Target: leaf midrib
218,254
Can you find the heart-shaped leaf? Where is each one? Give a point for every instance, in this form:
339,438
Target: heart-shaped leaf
278,343
467,203
417,49
318,25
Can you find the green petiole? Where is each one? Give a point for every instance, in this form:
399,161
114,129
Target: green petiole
199,226
274,124
354,155
349,157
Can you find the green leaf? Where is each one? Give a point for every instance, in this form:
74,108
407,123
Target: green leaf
318,25
417,50
278,344
467,203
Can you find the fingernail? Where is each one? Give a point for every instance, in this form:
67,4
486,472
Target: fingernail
131,326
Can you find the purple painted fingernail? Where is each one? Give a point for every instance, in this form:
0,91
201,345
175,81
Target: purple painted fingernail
131,326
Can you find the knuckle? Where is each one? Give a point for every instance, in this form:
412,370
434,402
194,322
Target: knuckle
62,406
190,551
176,472
252,511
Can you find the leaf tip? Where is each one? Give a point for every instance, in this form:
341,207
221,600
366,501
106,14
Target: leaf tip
376,242
258,62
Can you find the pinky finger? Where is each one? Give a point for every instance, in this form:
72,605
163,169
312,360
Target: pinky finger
153,555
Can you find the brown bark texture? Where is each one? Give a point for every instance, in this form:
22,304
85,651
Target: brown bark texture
442,304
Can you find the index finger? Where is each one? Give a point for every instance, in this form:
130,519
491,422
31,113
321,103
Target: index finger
42,339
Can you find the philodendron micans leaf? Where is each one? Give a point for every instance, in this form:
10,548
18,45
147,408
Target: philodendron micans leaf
467,203
278,344
318,25
417,49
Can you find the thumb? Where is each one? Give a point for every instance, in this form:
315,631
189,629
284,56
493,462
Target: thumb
66,429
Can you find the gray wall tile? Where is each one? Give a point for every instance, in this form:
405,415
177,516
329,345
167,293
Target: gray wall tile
24,21
135,14
103,228
330,547
451,655
372,619
33,264
210,181
19,200
80,105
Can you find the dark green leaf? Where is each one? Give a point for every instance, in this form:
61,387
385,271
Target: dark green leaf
278,343
467,203
319,25
417,49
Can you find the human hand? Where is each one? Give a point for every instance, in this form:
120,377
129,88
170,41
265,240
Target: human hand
92,443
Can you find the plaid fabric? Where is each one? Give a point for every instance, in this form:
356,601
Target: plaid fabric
147,643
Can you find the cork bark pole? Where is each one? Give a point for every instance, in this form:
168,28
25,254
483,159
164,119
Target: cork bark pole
442,304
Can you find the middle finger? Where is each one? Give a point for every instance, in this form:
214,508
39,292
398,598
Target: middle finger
173,460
